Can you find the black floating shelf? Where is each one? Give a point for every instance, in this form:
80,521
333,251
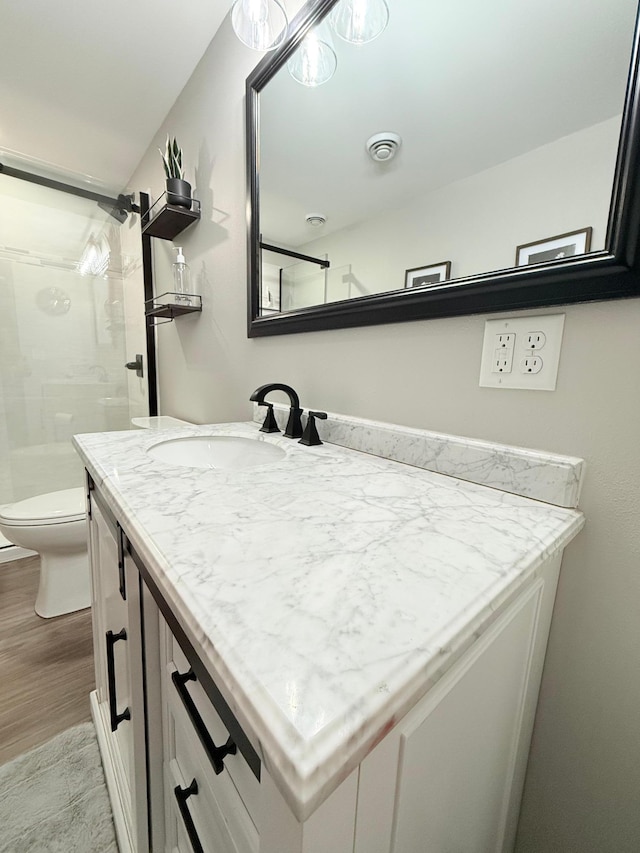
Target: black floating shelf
166,221
172,305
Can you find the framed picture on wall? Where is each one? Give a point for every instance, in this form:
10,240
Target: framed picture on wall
554,248
431,275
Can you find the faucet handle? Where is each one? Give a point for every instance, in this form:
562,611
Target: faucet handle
269,424
310,436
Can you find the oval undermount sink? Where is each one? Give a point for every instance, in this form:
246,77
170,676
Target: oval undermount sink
228,452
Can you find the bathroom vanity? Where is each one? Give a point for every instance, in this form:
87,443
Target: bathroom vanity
335,650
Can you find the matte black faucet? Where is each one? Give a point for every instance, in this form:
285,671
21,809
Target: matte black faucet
294,424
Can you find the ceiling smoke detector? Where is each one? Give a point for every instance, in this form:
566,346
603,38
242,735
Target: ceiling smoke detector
315,219
383,147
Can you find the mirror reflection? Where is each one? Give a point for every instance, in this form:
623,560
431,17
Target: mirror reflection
465,138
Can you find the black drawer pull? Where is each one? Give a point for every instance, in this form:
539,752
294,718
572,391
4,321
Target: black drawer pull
182,795
122,585
116,718
216,754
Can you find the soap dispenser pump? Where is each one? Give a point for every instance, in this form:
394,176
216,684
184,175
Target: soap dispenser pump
181,277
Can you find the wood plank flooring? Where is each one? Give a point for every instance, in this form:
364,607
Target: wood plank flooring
46,665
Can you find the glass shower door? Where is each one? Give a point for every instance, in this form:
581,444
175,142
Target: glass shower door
71,316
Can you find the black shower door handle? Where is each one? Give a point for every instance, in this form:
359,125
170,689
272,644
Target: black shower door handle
136,365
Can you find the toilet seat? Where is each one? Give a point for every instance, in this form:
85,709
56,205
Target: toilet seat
52,508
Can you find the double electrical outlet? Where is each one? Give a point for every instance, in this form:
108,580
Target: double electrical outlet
522,352
505,345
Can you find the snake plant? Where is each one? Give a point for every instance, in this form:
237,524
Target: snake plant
172,159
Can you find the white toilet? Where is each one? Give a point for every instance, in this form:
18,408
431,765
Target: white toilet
54,525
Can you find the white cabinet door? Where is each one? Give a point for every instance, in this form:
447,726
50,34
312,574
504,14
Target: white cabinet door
118,704
449,777
468,741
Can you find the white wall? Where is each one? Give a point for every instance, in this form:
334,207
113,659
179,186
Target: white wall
476,223
584,780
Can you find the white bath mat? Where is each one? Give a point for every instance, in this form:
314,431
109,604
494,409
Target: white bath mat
54,799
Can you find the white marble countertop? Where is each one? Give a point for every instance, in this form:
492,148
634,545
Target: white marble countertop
325,592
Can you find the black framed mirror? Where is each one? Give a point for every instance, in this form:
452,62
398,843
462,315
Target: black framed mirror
301,282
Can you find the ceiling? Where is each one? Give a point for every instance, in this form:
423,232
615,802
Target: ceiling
84,86
467,86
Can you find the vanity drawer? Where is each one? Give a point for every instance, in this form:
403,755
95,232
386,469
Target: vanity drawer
201,802
180,692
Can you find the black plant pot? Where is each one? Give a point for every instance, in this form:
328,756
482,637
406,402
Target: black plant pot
179,192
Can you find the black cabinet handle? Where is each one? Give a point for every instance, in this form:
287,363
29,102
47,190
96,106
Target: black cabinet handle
182,795
121,569
216,754
116,718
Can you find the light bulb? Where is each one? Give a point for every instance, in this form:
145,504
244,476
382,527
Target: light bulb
359,21
259,24
314,62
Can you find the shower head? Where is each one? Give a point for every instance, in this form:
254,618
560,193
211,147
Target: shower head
121,209
120,215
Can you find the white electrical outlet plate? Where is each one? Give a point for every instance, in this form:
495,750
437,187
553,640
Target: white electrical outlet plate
533,344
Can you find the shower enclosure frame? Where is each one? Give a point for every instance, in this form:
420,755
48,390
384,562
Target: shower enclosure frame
123,204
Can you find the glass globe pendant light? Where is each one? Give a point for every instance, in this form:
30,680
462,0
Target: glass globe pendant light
259,24
359,21
314,62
